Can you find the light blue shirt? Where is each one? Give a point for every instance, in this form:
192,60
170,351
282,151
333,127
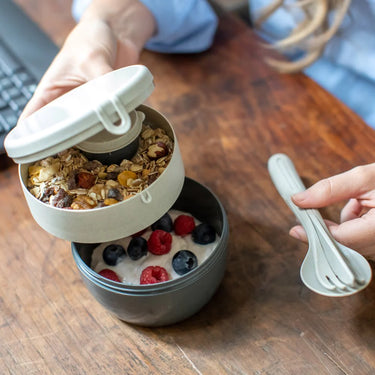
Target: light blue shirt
346,69
183,26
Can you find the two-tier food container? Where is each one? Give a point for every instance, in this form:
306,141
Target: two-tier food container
103,118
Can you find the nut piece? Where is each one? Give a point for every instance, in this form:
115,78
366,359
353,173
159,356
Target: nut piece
157,150
85,180
83,202
92,165
136,168
145,172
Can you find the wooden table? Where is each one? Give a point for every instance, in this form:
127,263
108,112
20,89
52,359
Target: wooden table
231,113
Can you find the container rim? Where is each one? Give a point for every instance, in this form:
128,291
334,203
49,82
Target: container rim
165,286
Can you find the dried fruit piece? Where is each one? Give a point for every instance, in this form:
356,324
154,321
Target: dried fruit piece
71,181
160,242
183,225
47,193
125,177
110,201
109,274
153,275
61,200
85,180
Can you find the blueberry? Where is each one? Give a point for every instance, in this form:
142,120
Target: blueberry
164,223
203,234
184,261
137,248
112,253
115,194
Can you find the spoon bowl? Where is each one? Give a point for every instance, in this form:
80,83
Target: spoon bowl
309,278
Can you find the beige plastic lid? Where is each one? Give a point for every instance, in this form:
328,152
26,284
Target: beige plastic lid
101,104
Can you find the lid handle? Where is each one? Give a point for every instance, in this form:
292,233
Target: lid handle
119,129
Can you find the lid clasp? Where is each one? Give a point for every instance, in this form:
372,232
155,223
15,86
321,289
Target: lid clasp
122,113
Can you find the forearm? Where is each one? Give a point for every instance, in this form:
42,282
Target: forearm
176,27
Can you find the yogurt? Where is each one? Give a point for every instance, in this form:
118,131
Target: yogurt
129,271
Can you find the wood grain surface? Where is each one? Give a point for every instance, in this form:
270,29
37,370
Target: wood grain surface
231,113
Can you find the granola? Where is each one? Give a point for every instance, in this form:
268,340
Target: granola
69,180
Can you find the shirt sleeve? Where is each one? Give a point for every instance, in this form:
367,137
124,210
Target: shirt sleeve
182,26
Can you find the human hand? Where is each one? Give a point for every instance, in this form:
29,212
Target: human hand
357,221
110,35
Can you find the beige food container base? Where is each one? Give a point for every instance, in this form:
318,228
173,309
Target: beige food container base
105,104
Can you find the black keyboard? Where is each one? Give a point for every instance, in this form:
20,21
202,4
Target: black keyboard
17,86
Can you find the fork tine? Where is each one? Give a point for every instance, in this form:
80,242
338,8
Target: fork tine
328,272
321,276
343,271
324,271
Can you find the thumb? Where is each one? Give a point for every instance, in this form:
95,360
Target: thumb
100,65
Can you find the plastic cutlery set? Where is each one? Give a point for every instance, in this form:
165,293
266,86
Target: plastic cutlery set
329,268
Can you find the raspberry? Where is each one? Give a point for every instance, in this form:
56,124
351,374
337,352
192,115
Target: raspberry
154,274
109,274
160,242
183,225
